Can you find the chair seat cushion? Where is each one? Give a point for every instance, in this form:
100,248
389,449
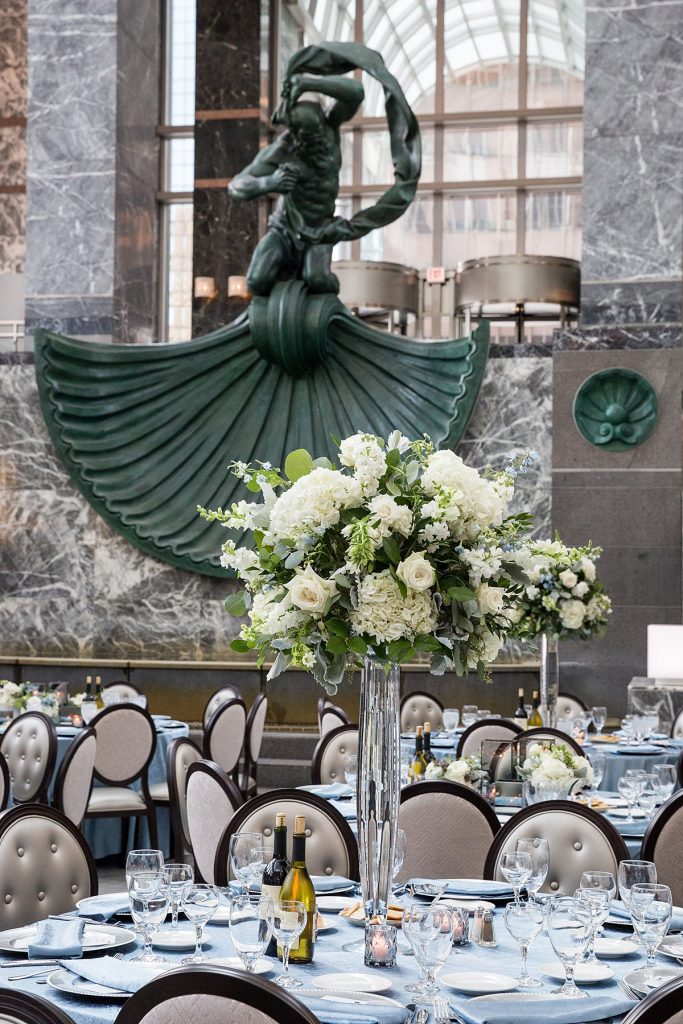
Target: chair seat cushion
115,798
159,792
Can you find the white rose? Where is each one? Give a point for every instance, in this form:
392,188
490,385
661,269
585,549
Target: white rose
34,704
572,614
416,572
587,567
532,593
457,771
568,579
514,614
311,592
434,771
390,513
489,599
581,589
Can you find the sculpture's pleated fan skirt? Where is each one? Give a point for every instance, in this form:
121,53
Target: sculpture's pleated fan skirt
147,432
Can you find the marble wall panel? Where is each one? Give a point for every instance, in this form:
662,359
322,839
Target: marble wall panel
636,336
12,233
12,156
223,148
13,66
228,44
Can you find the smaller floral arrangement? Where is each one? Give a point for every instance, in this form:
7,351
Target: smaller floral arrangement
24,698
9,694
563,596
467,770
76,699
556,767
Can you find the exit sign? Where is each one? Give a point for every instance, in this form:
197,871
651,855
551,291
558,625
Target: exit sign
436,275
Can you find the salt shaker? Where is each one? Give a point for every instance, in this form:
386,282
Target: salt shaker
475,934
488,936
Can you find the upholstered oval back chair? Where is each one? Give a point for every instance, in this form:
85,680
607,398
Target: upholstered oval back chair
211,800
329,754
181,753
220,696
579,838
123,689
662,844
24,1008
331,718
569,706
224,736
546,734
487,730
419,707
74,779
663,1006
5,784
29,746
253,738
46,866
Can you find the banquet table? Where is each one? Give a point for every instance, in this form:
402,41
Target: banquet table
329,957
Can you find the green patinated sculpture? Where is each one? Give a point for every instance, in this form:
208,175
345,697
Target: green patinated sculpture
146,431
615,409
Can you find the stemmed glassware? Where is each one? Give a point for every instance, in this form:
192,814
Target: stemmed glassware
516,868
666,779
351,769
599,716
143,860
149,899
251,926
598,902
539,852
651,908
451,717
469,714
524,921
287,921
247,858
634,872
431,936
649,793
199,904
591,883
626,787
598,764
399,857
176,876
570,924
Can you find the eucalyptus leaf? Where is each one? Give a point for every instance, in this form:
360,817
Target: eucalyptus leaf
294,559
240,645
298,463
322,463
281,664
412,472
238,604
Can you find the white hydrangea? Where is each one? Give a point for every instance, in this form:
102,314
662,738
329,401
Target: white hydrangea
572,614
363,454
273,614
483,563
383,614
581,589
391,515
475,501
311,505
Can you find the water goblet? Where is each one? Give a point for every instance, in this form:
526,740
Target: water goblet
570,923
149,899
516,868
524,921
666,779
351,769
539,852
251,926
431,936
245,853
599,716
469,714
287,921
483,713
598,901
143,860
649,793
634,872
451,717
639,728
176,876
651,908
626,789
199,903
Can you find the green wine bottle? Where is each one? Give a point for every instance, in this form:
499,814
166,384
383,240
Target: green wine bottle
535,720
298,886
418,765
428,756
275,873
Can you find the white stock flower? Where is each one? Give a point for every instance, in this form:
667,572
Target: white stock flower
383,614
391,514
311,592
272,613
432,532
572,614
433,771
311,505
568,579
532,593
242,559
416,572
587,567
398,441
365,457
489,599
581,589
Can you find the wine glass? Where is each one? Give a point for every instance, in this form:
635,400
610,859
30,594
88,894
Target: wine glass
287,921
524,921
516,868
431,936
649,794
245,853
176,876
251,926
666,778
199,903
634,872
639,728
539,852
469,714
483,713
598,764
143,860
627,789
651,915
598,902
599,716
351,769
451,717
570,923
627,729
598,881
149,899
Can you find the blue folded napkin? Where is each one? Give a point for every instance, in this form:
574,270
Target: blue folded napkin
331,790
101,908
552,1010
107,970
348,809
330,883
619,909
57,937
482,887
330,1011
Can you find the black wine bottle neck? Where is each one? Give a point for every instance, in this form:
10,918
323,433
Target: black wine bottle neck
418,744
280,843
299,851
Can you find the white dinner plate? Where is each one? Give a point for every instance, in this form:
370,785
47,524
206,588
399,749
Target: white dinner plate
584,974
261,966
358,919
611,949
323,925
350,982
65,981
622,812
638,979
479,982
347,996
339,891
96,937
669,947
334,904
471,905
222,916
161,718
168,939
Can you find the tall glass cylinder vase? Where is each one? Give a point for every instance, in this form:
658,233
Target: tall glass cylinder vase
378,783
550,678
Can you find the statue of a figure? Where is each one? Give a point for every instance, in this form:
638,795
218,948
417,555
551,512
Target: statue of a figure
303,166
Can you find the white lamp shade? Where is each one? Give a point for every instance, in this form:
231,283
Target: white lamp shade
204,287
238,287
665,652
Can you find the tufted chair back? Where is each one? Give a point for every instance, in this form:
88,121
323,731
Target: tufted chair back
544,734
417,708
180,755
677,727
24,1008
460,825
211,800
46,866
331,718
328,756
256,723
662,844
5,784
29,746
579,838
126,741
221,695
213,995
74,779
569,706
485,731
331,847
224,736
124,689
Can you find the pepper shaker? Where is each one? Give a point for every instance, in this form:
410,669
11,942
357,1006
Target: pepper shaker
488,935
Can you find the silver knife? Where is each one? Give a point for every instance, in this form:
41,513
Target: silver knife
421,1017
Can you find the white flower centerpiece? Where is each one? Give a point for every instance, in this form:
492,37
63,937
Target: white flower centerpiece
398,551
18,698
9,694
552,770
467,770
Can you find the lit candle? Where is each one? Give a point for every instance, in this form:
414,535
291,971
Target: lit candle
76,720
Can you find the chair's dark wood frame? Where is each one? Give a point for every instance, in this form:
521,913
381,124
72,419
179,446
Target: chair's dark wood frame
208,733
673,724
250,765
653,831
143,775
572,696
31,1009
181,842
218,689
659,1006
248,989
513,728
619,848
14,814
542,732
463,792
6,782
679,769
321,746
62,770
124,682
283,795
41,795
231,790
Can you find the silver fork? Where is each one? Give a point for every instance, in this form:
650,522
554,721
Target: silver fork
627,990
442,1012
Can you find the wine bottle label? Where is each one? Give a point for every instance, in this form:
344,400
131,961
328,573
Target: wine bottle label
269,890
289,920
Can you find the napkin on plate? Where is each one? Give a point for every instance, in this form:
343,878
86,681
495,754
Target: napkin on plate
619,909
329,1011
56,937
481,887
331,790
552,1010
101,908
331,883
107,970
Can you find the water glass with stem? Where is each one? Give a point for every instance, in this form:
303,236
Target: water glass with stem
649,793
431,936
598,902
149,899
251,926
199,903
603,880
634,872
287,921
627,789
143,860
245,854
351,769
451,717
651,908
599,716
524,921
539,852
570,924
469,714
176,876
666,779
516,868
598,764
